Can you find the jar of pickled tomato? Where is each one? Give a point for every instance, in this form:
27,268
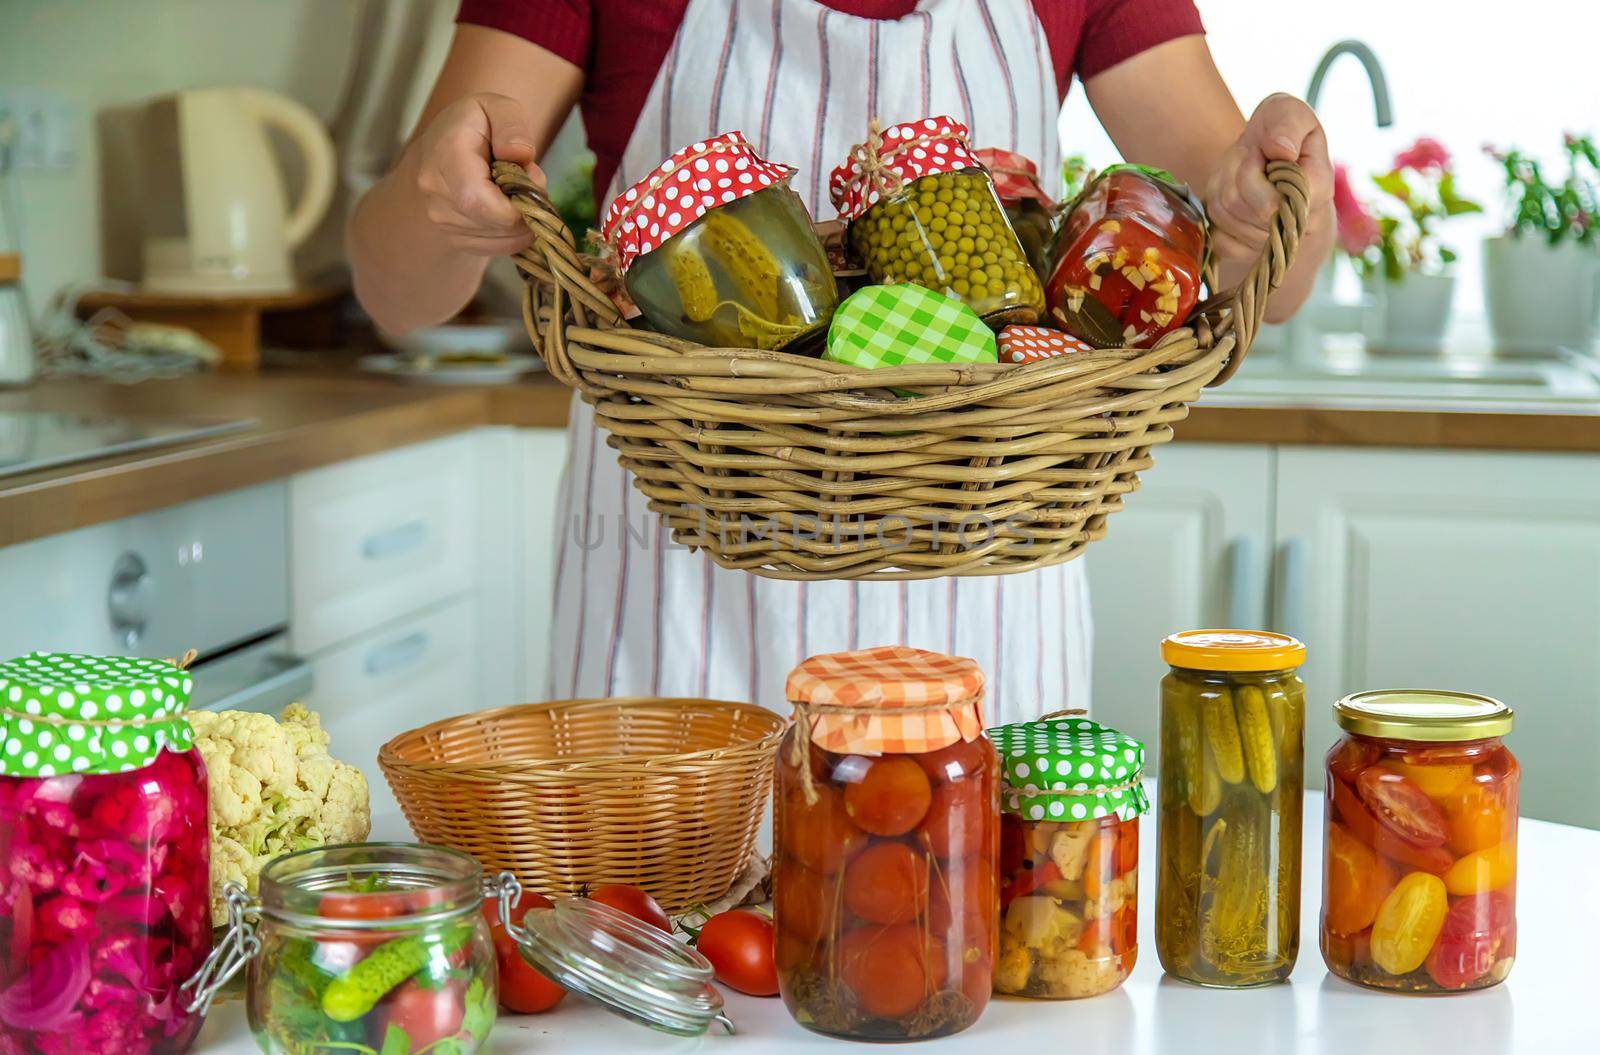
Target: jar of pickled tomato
1070,801
885,843
105,890
1230,794
1420,883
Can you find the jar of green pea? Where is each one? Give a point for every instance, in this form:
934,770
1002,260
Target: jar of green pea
922,209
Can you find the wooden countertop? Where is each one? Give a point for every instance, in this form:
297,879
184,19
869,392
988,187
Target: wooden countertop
306,420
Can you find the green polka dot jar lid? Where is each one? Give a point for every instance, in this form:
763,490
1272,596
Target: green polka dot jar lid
62,712
1069,769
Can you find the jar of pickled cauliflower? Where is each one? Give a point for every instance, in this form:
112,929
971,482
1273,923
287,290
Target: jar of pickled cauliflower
1420,882
886,835
1230,803
105,905
1070,802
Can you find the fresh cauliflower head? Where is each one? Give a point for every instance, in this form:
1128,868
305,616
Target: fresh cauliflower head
273,789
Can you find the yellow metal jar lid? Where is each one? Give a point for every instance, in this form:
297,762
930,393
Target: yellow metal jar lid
1232,650
1423,714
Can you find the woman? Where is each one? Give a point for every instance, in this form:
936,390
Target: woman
636,615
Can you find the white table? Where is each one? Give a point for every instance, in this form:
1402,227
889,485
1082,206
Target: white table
1548,1005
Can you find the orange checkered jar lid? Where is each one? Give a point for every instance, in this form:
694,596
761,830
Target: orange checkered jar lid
888,700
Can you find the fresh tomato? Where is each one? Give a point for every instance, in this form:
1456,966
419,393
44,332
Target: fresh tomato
960,820
1402,807
891,796
1482,870
1477,931
523,988
820,835
633,902
1478,817
1026,880
805,903
1408,923
891,969
887,883
427,1015
739,944
962,759
1355,884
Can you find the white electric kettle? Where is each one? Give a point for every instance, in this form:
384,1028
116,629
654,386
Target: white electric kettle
216,219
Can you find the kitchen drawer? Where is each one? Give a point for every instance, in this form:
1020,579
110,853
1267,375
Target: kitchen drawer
394,679
380,537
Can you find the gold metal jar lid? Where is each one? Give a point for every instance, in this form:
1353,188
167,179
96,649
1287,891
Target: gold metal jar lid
1232,650
1423,714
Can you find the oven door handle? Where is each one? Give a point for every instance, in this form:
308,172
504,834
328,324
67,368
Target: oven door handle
288,680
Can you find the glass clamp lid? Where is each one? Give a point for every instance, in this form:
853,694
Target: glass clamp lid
628,967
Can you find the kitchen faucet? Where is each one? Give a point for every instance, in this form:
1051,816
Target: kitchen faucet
1369,60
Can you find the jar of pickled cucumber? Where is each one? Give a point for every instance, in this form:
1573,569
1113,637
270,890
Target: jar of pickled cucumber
1420,882
1028,207
1070,800
884,845
1229,793
922,209
714,247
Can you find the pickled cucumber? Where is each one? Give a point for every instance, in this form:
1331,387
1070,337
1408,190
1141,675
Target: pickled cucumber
697,290
731,245
1222,734
1255,730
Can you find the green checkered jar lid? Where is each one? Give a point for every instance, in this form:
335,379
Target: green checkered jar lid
62,712
879,326
1069,769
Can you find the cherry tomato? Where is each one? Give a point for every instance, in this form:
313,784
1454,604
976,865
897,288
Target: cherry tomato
1100,869
1437,780
1361,824
891,969
886,883
634,902
1482,870
1401,806
805,903
973,884
960,820
1356,882
820,836
1478,817
1476,933
891,797
363,906
1346,950
427,1015
739,944
1408,923
1350,757
1127,846
523,988
962,759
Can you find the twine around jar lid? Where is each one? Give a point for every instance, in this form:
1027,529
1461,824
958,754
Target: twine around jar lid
1063,767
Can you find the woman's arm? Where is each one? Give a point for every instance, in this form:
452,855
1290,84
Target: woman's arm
1169,107
420,238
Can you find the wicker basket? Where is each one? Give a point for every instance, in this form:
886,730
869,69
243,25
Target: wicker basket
665,794
798,468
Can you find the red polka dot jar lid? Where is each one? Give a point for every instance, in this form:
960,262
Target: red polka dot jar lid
1030,344
684,188
900,154
1015,177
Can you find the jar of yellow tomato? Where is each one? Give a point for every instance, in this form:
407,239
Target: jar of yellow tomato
1419,888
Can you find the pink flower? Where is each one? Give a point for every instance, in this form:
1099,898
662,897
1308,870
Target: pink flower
1358,229
1425,155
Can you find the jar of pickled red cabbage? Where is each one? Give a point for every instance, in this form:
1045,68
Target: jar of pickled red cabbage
105,887
1070,802
885,843
1420,882
1230,803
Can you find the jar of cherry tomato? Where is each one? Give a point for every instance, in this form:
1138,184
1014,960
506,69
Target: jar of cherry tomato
1070,802
104,858
1028,207
1420,884
885,842
1230,791
1128,259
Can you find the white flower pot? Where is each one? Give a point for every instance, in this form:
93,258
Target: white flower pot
1409,317
1541,298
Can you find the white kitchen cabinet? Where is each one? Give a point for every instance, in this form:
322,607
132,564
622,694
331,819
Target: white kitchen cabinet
1457,570
544,456
1191,548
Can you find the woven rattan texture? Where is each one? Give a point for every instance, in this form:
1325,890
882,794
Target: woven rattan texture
666,794
798,468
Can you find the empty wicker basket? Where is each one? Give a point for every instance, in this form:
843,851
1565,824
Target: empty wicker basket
665,794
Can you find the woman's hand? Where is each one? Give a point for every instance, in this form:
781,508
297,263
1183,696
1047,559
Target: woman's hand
450,166
1240,200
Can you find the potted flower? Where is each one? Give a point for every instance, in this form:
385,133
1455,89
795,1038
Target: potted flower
1542,277
1395,247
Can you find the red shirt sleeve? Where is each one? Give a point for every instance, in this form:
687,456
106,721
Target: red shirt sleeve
558,26
1117,30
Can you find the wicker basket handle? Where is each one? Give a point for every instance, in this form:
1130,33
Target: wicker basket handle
1248,302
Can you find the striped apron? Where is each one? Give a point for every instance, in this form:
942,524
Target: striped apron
638,615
